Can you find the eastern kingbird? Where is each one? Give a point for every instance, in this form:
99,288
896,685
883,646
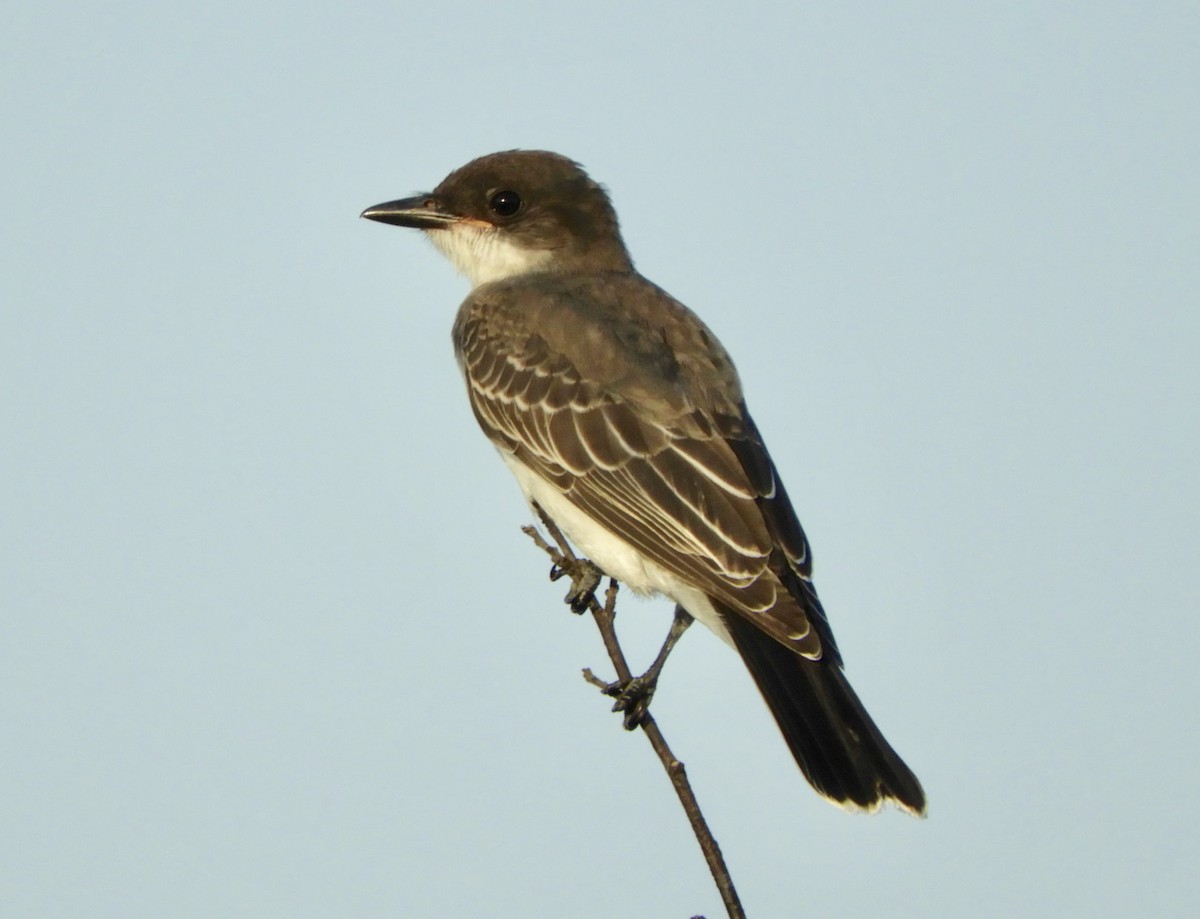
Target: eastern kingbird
623,419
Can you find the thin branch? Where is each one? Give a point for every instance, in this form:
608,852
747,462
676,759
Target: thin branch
565,561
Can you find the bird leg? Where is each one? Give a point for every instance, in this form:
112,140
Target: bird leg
633,696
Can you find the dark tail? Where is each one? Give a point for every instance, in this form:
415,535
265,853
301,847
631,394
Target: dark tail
839,749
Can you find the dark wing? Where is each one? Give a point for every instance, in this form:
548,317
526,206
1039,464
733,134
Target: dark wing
786,532
692,490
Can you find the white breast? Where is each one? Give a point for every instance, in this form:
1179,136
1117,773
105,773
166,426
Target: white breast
616,557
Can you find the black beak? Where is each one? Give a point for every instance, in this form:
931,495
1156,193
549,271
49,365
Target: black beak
421,212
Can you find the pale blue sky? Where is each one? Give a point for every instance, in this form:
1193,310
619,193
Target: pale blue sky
273,645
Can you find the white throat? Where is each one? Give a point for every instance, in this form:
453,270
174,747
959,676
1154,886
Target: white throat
484,255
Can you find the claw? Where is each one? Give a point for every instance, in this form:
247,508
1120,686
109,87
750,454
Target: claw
633,698
585,578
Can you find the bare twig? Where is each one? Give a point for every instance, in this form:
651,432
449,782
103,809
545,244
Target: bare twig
580,570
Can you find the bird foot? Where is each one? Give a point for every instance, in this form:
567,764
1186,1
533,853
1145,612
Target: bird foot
633,698
585,578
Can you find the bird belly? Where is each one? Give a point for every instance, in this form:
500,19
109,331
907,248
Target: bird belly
612,554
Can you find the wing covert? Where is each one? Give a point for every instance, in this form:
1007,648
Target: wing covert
678,485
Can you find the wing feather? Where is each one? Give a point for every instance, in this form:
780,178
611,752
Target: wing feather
688,490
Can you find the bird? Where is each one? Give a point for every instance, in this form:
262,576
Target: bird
623,419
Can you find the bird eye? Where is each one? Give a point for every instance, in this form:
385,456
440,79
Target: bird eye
505,203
